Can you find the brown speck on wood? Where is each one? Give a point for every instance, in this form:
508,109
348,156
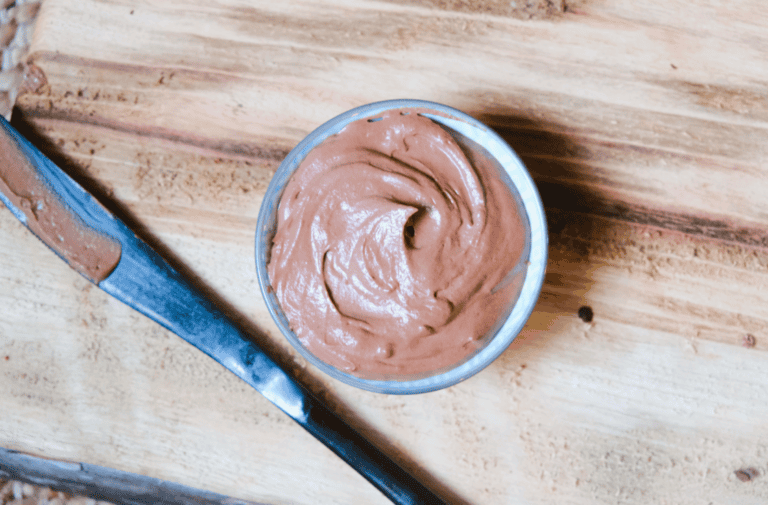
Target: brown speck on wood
749,340
674,67
746,474
586,314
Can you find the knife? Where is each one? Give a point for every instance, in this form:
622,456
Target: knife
71,222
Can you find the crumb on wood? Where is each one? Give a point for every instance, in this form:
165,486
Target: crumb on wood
749,340
746,474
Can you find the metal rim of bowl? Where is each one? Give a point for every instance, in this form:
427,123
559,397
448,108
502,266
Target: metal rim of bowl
537,260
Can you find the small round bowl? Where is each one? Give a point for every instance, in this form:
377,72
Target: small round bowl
473,136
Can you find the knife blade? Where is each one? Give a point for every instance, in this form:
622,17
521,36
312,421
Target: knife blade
71,222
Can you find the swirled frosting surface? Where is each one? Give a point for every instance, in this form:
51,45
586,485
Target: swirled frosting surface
394,252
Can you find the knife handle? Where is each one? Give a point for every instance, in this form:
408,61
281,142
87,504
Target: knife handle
146,282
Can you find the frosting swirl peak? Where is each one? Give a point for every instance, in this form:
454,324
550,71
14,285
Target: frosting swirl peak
393,250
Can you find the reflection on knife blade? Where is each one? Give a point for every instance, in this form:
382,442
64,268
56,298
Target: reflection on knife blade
103,249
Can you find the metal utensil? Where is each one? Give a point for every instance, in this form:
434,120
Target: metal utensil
143,280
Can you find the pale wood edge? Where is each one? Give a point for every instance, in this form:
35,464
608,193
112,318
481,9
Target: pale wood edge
101,483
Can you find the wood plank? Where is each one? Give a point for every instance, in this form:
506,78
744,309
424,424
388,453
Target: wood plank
646,129
74,481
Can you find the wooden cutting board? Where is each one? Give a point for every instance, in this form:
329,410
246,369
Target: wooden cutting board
645,127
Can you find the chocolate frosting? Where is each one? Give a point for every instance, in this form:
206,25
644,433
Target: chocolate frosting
89,252
394,253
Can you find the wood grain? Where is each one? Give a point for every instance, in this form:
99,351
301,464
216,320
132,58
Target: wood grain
645,127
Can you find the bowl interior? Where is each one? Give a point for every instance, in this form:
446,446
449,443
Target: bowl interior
477,140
